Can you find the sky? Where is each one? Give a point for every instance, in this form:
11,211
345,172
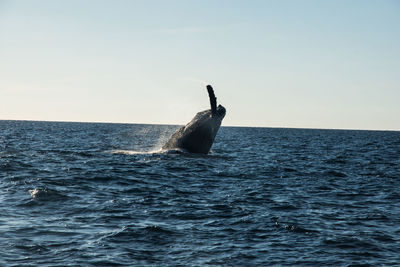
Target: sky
301,64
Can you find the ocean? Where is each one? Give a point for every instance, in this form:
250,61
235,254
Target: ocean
98,194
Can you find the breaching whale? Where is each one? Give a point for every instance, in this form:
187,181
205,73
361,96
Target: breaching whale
198,135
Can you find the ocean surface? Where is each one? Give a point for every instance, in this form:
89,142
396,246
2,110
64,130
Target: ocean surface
87,194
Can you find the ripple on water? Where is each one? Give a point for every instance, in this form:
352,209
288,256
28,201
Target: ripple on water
103,194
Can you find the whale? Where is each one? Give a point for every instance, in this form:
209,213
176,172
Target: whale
199,134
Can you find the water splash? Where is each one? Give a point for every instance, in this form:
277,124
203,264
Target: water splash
33,192
151,152
133,152
162,139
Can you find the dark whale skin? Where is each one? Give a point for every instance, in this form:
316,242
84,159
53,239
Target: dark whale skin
198,135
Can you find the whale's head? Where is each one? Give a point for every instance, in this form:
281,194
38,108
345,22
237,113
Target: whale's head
221,111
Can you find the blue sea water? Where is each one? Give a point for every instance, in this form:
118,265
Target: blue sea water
87,194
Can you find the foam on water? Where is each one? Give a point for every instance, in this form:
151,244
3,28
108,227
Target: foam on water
133,152
151,152
33,192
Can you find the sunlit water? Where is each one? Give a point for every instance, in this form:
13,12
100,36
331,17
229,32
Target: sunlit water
105,194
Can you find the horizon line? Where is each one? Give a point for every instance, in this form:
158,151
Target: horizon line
237,126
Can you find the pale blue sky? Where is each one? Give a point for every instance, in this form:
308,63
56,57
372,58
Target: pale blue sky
312,64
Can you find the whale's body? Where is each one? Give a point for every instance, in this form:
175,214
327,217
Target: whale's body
198,135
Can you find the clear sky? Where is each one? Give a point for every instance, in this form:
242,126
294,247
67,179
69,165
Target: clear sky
308,64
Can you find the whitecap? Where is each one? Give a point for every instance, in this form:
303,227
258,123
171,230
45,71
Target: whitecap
33,192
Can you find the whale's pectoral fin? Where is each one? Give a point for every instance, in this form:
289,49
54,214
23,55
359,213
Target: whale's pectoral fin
213,100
